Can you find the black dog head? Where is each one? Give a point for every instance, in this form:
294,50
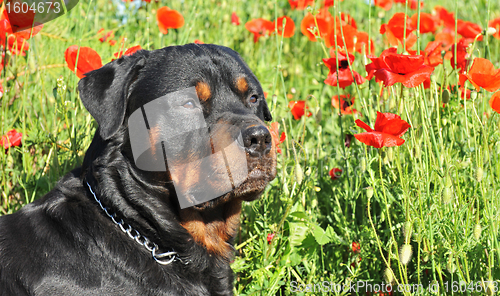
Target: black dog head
231,103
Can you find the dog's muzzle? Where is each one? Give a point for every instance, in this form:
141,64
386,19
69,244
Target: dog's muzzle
204,162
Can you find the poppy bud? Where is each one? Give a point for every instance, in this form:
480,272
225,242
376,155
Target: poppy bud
473,95
491,31
390,154
405,254
486,154
299,174
479,174
392,104
407,229
389,275
446,96
447,194
477,231
318,115
418,152
369,192
425,257
362,164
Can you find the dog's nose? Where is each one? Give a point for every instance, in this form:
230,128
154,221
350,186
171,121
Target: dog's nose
257,140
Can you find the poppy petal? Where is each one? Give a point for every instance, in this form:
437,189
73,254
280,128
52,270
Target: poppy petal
289,30
363,125
379,140
168,19
418,77
88,60
389,78
495,101
402,64
390,123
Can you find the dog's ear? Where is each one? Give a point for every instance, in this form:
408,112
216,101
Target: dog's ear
104,92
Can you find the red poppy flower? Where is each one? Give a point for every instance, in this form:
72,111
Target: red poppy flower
343,77
27,33
22,20
462,55
395,30
168,19
346,103
274,130
348,20
335,173
355,247
289,27
129,51
432,53
384,4
259,27
446,17
413,3
11,139
354,40
300,4
270,237
447,38
482,74
235,20
469,30
495,23
378,63
197,41
495,102
364,45
387,133
410,70
16,45
307,24
298,109
428,22
16,39
88,60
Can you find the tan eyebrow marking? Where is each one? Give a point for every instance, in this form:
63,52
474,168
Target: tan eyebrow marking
242,84
203,91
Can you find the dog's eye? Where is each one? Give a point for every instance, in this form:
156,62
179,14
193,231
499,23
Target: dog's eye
253,99
188,105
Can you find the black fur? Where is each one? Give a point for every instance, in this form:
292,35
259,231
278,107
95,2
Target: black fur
64,244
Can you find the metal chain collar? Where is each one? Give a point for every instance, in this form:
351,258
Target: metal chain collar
162,258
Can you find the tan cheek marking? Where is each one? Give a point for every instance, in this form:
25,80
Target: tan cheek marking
242,84
203,91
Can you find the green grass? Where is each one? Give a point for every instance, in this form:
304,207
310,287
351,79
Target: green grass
426,193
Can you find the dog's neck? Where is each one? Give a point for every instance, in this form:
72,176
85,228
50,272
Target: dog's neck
147,210
214,228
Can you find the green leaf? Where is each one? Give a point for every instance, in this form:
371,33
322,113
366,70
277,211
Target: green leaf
298,232
320,235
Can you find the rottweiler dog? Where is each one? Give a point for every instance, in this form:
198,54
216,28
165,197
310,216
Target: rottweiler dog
112,228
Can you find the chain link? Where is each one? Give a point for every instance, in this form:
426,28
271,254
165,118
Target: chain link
162,258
